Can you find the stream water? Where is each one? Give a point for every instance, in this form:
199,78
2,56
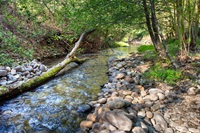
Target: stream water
51,108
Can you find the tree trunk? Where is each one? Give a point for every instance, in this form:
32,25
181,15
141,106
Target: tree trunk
154,26
148,23
6,93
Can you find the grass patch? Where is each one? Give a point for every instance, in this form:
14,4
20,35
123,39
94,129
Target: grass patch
144,48
164,74
149,52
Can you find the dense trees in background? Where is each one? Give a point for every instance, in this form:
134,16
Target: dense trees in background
163,19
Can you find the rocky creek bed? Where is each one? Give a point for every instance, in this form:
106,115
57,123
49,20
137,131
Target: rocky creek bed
129,103
11,76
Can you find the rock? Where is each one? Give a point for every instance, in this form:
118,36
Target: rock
191,91
119,120
87,124
143,93
84,108
181,129
102,100
118,131
129,79
141,114
109,127
161,96
102,109
158,127
119,65
17,76
139,87
3,82
92,117
104,131
160,120
3,72
149,114
13,71
134,94
153,97
155,91
126,92
116,104
169,130
120,76
111,60
8,69
25,73
138,130
96,127
144,126
148,103
19,69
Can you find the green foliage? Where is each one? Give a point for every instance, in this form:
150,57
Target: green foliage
173,47
11,48
163,74
150,55
144,48
198,41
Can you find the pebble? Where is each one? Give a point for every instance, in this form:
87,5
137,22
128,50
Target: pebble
102,100
149,114
86,124
141,114
153,97
138,130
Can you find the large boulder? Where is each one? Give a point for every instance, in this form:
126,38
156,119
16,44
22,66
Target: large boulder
119,120
118,104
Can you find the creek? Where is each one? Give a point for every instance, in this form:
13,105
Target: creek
51,108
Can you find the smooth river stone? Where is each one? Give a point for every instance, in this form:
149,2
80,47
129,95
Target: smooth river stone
119,120
86,124
84,108
120,76
160,120
138,130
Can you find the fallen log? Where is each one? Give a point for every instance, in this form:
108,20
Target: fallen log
9,92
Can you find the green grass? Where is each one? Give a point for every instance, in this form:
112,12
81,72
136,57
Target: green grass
149,52
167,75
144,48
173,47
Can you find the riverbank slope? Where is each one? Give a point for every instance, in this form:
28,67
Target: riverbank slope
130,103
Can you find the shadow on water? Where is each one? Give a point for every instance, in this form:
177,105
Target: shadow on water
52,106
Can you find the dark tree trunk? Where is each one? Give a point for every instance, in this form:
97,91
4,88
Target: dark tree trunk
148,23
154,25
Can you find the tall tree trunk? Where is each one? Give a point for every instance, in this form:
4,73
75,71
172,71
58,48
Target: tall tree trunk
148,23
154,26
195,25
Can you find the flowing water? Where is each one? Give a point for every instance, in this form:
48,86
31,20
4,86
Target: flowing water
51,108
